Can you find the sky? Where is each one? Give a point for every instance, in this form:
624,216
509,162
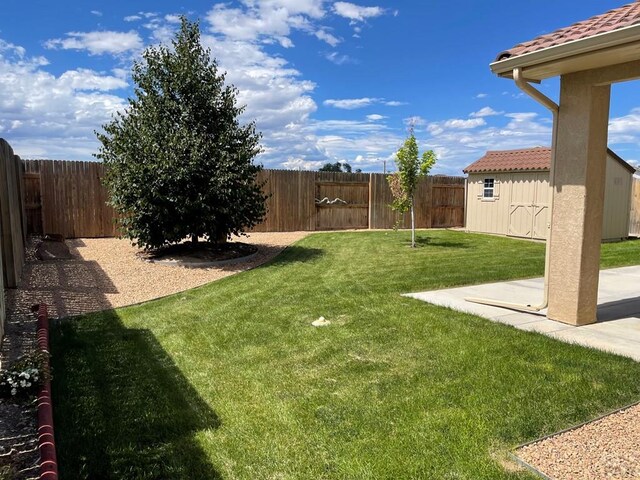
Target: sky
324,81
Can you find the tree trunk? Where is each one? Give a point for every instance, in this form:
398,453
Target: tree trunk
194,239
413,227
221,238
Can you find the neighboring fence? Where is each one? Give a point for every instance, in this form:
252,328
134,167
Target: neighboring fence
12,223
634,223
68,198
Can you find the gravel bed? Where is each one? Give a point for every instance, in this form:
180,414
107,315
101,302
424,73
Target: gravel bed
108,272
18,419
608,448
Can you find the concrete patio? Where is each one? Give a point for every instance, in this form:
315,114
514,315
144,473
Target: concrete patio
617,329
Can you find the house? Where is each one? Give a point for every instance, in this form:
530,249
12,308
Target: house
587,57
508,193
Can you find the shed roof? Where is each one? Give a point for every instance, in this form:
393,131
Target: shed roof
526,159
615,19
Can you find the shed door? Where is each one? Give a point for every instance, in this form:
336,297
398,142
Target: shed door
521,205
529,205
541,207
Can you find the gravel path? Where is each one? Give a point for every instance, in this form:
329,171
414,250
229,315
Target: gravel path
608,448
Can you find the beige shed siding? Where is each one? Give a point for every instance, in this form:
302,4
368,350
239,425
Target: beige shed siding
617,201
522,206
488,216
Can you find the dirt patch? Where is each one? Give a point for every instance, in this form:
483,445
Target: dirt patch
604,448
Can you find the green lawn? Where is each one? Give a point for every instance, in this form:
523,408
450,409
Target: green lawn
230,380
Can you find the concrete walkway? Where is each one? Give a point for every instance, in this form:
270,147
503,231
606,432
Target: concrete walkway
617,329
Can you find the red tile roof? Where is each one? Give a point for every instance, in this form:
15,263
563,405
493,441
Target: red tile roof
538,158
607,22
526,159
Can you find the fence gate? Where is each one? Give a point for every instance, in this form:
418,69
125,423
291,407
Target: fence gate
342,205
447,203
33,203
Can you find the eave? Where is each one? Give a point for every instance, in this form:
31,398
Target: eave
605,49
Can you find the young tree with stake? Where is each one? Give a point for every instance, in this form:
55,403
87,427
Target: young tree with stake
403,183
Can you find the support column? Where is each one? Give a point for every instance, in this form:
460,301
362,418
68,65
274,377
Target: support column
576,227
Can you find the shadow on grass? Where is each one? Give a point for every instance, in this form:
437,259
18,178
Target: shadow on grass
122,407
297,254
434,242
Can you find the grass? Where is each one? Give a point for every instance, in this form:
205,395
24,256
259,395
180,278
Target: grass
230,380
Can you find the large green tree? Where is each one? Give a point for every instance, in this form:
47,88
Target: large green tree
178,162
404,182
338,167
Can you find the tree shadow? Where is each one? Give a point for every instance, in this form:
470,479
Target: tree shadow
123,409
69,286
296,254
435,242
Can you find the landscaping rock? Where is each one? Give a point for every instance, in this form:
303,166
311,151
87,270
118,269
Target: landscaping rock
321,322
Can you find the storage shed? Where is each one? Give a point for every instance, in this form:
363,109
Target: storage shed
508,193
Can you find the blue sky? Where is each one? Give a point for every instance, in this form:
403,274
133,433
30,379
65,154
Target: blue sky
325,81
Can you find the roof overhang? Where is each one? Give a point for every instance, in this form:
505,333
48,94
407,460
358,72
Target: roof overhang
602,50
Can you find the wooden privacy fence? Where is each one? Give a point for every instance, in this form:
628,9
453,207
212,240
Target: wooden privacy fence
338,201
634,223
68,198
12,223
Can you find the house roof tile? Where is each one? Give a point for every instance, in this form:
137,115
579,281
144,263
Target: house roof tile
615,19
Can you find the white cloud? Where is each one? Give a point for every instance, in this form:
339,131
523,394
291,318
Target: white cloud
374,117
12,49
44,115
172,18
98,42
625,129
97,13
464,124
335,57
300,164
250,25
132,18
457,147
353,103
350,103
84,79
482,95
327,37
485,112
356,12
